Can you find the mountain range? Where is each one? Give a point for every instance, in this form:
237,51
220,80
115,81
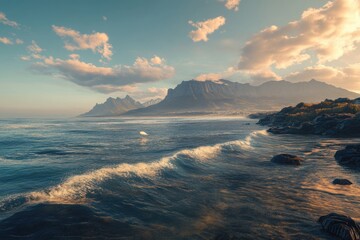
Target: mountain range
223,96
117,106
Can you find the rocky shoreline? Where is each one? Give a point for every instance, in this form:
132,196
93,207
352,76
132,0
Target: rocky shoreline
336,118
333,118
343,227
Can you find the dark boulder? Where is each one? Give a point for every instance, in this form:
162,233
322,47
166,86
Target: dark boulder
340,181
287,159
341,226
350,156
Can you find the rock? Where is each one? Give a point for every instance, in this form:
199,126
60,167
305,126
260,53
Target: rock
339,118
340,181
341,226
350,156
287,159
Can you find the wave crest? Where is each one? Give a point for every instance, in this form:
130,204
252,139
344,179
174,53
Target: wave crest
76,188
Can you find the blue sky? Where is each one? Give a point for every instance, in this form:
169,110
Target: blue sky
49,82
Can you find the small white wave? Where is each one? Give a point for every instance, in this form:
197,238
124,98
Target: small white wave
17,126
76,188
247,143
203,153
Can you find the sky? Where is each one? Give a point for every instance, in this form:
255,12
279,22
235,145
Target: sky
59,58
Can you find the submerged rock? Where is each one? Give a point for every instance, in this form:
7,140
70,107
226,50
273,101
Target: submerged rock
341,226
340,181
350,156
287,159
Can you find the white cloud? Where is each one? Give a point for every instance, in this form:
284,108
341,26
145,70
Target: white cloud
9,41
232,4
19,41
104,18
156,60
4,20
205,28
97,42
25,58
34,51
34,48
255,77
216,76
327,32
5,40
105,79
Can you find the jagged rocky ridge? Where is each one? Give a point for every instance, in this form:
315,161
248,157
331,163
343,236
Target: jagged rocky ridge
117,106
340,117
197,97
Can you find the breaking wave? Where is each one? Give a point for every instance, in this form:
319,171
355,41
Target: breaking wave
76,188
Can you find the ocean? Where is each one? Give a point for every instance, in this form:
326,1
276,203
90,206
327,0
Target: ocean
190,178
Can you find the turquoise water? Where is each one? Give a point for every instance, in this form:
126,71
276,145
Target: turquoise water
191,178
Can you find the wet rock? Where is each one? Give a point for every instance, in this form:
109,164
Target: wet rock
341,226
350,156
340,181
340,118
287,159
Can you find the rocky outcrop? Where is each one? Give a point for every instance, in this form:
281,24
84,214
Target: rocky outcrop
340,117
350,156
341,226
341,181
287,159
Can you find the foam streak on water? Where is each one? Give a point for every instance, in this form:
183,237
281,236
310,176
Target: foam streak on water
75,188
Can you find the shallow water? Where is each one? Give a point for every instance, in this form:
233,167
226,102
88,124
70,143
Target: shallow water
191,178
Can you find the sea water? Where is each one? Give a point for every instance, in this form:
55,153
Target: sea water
190,178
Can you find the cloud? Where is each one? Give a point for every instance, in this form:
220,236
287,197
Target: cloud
25,58
97,42
4,20
34,48
104,18
34,51
255,77
232,4
156,60
215,77
346,77
205,28
19,41
104,79
9,41
325,33
5,40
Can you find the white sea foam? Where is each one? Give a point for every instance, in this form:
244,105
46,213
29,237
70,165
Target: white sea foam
17,126
203,153
76,188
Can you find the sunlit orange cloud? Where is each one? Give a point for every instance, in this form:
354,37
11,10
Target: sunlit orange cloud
97,42
205,28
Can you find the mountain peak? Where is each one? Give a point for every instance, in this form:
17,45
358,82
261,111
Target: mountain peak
114,107
207,96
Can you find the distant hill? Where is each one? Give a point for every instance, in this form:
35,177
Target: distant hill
222,96
113,107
